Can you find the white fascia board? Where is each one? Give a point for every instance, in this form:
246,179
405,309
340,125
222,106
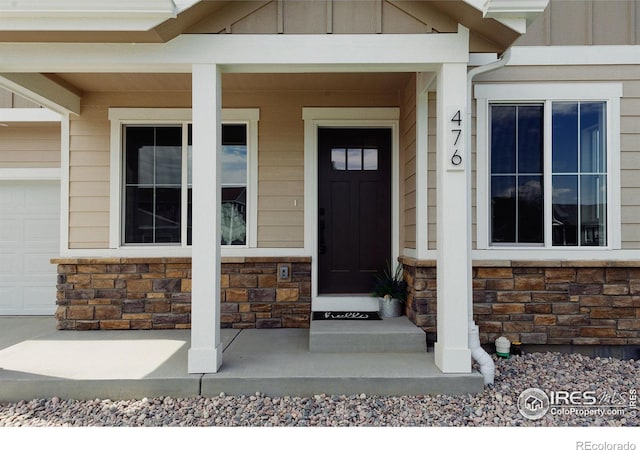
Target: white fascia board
85,15
575,55
28,115
42,90
275,53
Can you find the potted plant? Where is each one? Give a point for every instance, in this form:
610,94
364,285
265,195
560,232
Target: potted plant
391,290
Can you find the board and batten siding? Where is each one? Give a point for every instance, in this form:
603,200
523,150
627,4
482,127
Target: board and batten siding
10,100
280,156
629,76
586,22
318,17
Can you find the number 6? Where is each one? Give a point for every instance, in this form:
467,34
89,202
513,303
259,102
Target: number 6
456,159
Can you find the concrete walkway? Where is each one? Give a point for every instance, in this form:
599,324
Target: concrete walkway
37,361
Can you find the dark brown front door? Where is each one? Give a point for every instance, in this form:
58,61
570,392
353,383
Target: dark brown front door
354,208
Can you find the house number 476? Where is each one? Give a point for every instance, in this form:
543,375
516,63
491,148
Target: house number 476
456,147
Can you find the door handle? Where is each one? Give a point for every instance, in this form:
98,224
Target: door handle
322,245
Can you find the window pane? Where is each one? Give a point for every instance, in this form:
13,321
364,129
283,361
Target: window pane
189,154
503,209
354,159
370,159
153,159
503,139
593,210
139,154
167,215
338,158
565,137
565,210
189,216
168,147
530,210
234,165
138,227
530,138
233,216
234,154
592,137
234,134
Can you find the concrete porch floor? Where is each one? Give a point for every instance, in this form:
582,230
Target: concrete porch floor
38,361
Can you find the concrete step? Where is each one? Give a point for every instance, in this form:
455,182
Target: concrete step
389,335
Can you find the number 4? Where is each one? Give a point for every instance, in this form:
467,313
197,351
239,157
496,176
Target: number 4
457,118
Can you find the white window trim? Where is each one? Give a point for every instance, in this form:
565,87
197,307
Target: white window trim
173,116
546,93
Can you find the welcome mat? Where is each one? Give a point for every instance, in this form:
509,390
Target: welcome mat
346,315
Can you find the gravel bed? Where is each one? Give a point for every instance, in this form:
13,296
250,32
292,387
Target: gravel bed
614,382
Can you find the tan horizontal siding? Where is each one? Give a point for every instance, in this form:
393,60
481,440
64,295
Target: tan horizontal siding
30,145
89,178
432,174
408,165
280,140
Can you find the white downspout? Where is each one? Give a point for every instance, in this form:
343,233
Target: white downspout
487,367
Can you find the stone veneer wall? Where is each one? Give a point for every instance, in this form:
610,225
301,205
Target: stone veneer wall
540,302
155,293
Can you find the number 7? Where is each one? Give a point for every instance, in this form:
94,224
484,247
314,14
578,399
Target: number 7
457,136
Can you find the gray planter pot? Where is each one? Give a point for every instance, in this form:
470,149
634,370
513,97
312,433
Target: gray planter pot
391,307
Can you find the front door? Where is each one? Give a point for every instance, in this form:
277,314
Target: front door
354,208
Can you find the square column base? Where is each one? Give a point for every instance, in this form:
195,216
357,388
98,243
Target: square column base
204,360
452,360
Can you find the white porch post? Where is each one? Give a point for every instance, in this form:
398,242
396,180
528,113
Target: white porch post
205,354
452,352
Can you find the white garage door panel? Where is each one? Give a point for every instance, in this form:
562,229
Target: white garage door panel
29,238
9,264
8,296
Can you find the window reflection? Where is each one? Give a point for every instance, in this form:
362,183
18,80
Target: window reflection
579,181
517,200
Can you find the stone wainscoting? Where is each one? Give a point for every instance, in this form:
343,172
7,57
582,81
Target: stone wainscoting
155,293
540,302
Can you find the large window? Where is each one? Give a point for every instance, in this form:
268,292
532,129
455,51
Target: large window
156,181
548,165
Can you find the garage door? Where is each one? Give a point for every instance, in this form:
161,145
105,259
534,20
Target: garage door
29,236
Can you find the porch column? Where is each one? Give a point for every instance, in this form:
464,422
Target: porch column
452,354
205,354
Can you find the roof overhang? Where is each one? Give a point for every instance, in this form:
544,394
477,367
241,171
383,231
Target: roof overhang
88,15
516,14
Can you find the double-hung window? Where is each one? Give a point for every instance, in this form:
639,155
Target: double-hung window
547,166
156,177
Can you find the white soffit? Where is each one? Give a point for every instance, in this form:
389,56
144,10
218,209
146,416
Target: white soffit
87,15
515,14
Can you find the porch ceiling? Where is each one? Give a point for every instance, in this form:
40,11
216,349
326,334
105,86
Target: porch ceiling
158,82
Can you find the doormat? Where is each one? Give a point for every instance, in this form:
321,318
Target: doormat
346,315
